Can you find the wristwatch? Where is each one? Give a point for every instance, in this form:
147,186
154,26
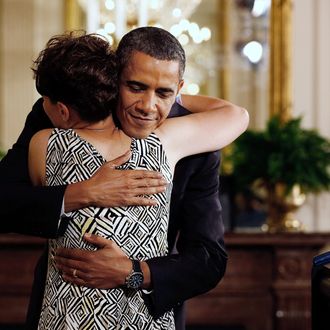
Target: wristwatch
134,280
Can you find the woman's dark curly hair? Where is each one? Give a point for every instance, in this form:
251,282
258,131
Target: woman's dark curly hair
79,70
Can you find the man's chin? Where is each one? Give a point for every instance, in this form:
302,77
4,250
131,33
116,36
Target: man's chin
136,133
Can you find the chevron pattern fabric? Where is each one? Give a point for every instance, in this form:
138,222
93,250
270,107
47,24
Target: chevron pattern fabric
140,231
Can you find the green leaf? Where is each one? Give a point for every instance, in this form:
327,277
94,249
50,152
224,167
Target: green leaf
283,152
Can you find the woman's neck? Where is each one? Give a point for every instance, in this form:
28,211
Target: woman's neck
110,141
106,124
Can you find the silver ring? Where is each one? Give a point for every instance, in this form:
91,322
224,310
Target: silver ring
74,273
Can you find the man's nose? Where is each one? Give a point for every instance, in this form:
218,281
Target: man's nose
147,103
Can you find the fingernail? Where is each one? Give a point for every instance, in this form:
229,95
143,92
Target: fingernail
88,235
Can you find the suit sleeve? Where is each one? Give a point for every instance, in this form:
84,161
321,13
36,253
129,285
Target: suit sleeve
201,260
25,209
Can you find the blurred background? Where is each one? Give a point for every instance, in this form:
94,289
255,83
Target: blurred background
269,56
236,50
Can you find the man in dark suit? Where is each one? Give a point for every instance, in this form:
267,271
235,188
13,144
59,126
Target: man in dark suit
195,226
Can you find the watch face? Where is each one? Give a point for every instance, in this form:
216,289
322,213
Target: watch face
135,280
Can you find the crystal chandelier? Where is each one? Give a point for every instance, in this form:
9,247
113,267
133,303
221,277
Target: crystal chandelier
113,18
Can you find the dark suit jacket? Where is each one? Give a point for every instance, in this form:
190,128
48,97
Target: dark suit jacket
195,223
320,293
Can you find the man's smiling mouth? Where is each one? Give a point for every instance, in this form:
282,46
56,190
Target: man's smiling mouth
141,118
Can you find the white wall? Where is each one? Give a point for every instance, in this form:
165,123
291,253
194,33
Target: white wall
311,88
16,77
25,28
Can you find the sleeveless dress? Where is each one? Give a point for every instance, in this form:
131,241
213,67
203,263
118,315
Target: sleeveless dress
141,231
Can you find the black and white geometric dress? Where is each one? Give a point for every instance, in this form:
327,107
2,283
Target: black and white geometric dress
141,231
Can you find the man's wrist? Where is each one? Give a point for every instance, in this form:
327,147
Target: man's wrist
145,271
77,196
134,279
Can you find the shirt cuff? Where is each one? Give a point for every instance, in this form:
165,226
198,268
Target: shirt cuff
62,214
63,220
145,291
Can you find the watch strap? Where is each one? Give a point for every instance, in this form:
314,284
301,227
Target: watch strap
136,266
135,278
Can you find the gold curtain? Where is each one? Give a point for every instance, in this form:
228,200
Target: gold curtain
280,93
75,17
223,39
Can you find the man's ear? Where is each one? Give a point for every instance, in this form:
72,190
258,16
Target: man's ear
181,83
63,111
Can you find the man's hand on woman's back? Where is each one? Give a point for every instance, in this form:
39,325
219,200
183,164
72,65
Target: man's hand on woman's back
111,187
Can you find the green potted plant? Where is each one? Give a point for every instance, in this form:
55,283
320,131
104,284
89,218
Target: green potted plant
282,164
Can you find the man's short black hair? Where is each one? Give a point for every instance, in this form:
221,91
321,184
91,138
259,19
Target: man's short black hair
153,41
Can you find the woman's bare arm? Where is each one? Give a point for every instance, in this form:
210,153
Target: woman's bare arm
201,103
37,157
215,124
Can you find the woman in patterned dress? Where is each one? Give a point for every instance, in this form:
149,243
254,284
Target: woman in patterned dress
77,77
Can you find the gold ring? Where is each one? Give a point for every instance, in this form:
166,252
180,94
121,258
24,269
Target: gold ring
74,273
